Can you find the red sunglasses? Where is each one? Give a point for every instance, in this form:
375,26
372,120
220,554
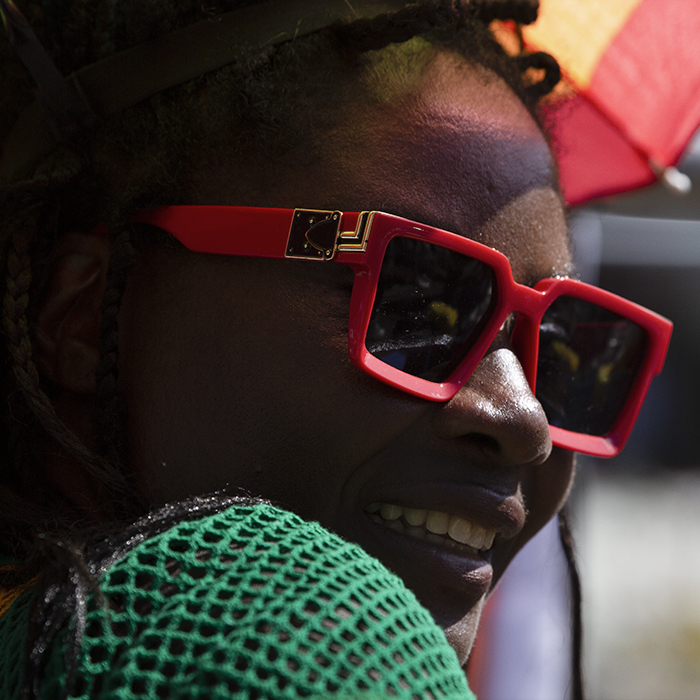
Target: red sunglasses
427,304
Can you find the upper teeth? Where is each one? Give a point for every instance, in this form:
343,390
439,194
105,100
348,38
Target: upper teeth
437,522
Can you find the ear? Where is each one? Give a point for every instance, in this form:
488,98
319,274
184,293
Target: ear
68,323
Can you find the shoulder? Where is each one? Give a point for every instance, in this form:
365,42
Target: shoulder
253,599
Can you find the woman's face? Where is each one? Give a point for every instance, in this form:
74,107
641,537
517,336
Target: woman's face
236,375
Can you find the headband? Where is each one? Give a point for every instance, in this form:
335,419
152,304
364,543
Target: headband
65,106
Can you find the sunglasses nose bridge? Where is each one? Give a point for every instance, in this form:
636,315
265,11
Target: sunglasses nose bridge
528,305
524,339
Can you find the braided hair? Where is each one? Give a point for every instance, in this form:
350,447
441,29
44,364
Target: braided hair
149,154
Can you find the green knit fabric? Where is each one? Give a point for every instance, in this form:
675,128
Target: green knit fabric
252,602
13,646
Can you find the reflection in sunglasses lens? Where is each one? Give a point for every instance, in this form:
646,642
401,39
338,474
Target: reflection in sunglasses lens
430,308
589,358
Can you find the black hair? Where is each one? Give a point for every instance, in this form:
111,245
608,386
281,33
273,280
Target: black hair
264,103
575,613
64,587
153,151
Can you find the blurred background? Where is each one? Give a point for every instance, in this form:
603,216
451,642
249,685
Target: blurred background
621,118
637,517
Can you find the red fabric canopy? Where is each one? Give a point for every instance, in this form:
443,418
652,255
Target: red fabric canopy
635,68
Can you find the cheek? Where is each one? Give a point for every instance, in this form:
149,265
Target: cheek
321,418
548,489
245,381
544,490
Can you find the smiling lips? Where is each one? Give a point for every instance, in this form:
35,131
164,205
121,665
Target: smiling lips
433,526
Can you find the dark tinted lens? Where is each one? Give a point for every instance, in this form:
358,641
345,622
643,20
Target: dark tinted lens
431,306
589,359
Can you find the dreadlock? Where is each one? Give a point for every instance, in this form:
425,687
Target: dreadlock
264,103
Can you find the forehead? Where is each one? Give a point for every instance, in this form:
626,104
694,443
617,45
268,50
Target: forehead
451,146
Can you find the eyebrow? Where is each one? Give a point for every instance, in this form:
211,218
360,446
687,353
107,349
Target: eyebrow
571,271
413,215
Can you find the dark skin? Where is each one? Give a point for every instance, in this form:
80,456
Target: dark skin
235,371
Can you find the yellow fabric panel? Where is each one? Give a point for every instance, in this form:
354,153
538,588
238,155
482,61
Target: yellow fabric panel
578,32
9,595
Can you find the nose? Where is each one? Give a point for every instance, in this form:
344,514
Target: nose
497,413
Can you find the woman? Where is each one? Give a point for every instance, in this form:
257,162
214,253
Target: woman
144,371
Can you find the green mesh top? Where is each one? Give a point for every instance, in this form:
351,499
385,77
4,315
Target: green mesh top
251,602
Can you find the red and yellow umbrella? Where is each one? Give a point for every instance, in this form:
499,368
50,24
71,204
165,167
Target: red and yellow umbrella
634,66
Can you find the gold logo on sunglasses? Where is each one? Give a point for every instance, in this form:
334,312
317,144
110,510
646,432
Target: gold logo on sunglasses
313,234
356,241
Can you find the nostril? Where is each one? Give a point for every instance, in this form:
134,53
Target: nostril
519,447
485,443
496,414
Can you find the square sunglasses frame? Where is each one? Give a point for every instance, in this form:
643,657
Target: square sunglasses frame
359,240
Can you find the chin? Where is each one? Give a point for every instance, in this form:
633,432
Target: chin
462,634
452,582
